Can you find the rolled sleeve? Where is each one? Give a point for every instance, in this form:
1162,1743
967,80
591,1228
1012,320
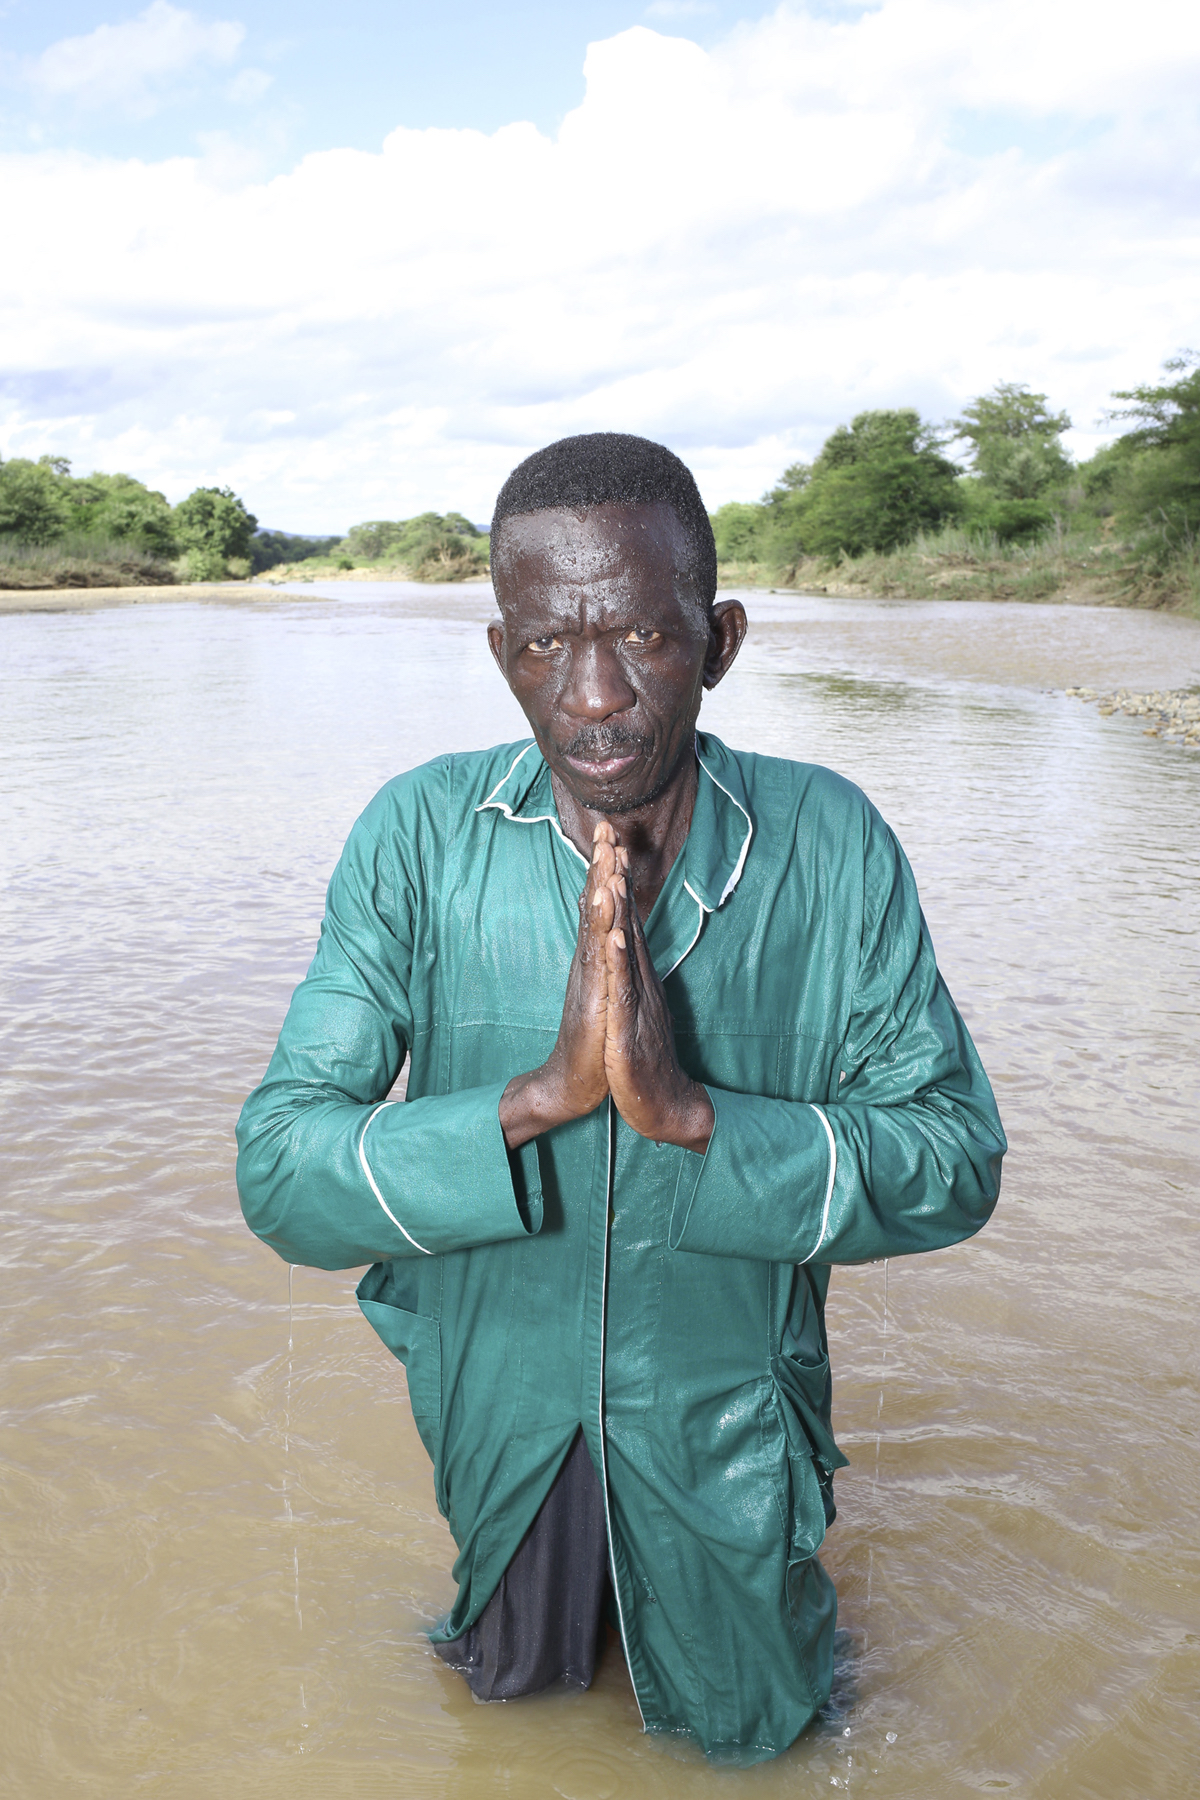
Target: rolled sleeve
469,1189
763,1184
336,1185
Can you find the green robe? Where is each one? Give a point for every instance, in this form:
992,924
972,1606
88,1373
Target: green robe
672,1304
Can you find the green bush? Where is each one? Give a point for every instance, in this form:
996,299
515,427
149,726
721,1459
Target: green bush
876,483
270,548
372,542
431,547
213,521
738,530
34,499
1016,521
198,564
121,509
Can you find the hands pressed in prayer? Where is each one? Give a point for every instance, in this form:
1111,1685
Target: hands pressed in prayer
616,1035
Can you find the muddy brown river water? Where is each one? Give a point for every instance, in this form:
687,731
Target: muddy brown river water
219,1532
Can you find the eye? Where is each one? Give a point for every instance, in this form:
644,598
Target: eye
641,634
543,645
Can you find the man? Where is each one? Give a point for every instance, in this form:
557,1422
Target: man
677,1043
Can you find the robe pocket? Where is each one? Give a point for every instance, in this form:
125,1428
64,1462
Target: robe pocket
802,1394
417,1342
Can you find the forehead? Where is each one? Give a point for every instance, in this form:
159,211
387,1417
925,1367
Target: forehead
593,563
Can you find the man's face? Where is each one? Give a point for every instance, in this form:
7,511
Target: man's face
605,644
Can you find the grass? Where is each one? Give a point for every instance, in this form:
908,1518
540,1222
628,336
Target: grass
958,565
77,561
326,568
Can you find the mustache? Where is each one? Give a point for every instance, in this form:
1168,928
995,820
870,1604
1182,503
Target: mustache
597,742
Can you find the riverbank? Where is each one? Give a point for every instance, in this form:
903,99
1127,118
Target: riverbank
958,565
93,599
1172,714
434,574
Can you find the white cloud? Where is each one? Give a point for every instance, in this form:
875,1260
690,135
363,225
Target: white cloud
126,64
730,249
248,85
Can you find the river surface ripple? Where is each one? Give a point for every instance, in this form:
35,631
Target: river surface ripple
220,1533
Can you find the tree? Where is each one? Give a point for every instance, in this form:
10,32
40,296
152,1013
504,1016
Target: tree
34,498
270,548
122,510
876,483
372,541
737,528
214,527
431,547
1156,486
1017,457
1170,412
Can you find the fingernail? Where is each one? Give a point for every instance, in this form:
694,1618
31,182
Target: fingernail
621,888
596,899
619,939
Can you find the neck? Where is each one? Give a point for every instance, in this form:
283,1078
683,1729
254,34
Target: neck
654,834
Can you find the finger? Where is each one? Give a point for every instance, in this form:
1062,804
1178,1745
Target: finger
595,905
602,911
616,952
622,982
628,920
641,950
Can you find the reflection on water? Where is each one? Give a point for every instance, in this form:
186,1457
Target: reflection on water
220,1529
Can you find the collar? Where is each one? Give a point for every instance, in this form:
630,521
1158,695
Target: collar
718,839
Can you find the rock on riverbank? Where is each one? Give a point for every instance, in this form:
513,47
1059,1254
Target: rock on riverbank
1174,714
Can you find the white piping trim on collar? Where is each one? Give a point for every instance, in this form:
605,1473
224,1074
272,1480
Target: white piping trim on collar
699,928
741,861
503,804
695,896
532,818
829,1183
362,1157
550,819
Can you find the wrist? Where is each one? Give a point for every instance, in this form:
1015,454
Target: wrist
531,1104
699,1119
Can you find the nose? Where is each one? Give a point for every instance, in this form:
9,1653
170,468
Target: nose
596,686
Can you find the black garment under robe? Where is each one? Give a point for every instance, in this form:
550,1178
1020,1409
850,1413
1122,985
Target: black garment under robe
544,1623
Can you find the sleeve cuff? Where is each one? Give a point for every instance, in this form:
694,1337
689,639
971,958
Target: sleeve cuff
762,1189
440,1170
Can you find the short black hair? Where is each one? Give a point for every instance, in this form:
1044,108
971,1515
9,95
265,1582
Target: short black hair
614,467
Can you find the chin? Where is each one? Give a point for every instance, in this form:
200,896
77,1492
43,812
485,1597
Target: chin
624,799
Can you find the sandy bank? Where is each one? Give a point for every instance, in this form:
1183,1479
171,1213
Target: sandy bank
82,599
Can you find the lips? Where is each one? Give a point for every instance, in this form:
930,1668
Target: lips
604,756
604,767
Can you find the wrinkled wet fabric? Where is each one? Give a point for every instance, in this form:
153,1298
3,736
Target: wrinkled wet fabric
672,1304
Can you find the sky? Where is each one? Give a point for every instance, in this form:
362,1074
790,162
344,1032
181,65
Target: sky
356,262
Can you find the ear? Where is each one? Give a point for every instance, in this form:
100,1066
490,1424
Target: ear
725,634
496,644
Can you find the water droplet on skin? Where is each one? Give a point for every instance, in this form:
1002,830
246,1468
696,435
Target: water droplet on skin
891,1737
846,1731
